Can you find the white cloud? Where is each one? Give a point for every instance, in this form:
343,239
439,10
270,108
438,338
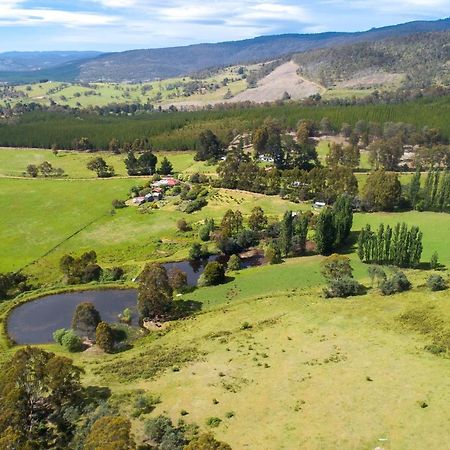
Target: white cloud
12,13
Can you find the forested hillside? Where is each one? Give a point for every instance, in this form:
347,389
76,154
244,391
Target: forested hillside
150,64
423,59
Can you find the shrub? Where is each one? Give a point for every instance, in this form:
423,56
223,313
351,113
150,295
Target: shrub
434,261
118,204
92,272
104,337
213,422
397,283
195,251
206,441
195,205
234,262
336,267
273,254
436,283
342,287
71,341
145,404
58,335
182,225
213,274
85,319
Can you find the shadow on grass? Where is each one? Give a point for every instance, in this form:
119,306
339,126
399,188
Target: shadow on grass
184,308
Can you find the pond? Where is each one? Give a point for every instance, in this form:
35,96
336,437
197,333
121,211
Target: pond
34,322
194,268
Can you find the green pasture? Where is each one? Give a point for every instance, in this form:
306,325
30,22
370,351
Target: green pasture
304,371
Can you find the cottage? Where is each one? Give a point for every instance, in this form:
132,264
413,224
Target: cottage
319,205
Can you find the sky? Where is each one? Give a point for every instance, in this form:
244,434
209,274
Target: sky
116,25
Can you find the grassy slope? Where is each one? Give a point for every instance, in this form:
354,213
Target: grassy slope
298,376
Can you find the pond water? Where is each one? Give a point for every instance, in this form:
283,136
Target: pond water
194,268
34,322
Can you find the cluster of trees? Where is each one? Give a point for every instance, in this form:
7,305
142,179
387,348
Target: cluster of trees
209,147
382,191
287,153
45,169
12,284
38,127
100,167
84,269
144,164
435,196
399,246
44,405
86,323
333,225
338,272
166,435
325,183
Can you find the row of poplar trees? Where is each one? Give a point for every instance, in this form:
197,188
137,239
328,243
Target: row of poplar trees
399,246
435,196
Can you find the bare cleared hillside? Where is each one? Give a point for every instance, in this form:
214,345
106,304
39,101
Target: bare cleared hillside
283,79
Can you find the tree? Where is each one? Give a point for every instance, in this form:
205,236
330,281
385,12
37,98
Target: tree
111,433
382,191
114,146
213,274
99,166
209,147
234,263
166,167
414,188
273,254
71,341
232,223
85,319
434,261
385,153
336,266
196,252
257,220
300,233
104,337
325,235
285,236
155,294
343,218
46,169
32,170
206,441
178,279
36,389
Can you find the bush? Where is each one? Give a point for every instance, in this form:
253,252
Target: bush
434,261
342,287
196,251
273,254
182,225
436,283
247,238
234,263
213,274
195,205
71,341
104,337
213,422
397,283
118,204
58,335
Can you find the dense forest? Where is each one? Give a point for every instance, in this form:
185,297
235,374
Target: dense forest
423,58
180,130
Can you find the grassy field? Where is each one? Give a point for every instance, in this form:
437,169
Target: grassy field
307,372
164,92
13,162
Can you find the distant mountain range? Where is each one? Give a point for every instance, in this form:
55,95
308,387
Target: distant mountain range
151,64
